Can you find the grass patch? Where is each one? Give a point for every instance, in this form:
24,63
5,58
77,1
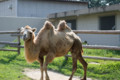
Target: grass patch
105,70
12,65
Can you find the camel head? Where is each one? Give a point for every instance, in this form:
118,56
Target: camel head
27,32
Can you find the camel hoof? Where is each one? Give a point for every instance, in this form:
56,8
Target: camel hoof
83,79
47,78
41,79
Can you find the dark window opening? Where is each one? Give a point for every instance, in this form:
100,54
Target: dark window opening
107,23
71,24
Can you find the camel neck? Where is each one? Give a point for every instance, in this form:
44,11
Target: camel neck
30,45
31,52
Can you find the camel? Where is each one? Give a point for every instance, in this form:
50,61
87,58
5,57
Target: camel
52,43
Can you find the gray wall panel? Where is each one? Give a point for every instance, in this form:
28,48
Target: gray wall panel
36,8
5,9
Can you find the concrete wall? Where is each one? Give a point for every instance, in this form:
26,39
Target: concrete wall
118,21
37,8
91,22
13,23
118,24
8,8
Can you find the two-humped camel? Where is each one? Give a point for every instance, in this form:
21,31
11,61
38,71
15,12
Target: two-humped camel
51,42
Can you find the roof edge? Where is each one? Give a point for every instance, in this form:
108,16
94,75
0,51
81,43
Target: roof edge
82,2
115,7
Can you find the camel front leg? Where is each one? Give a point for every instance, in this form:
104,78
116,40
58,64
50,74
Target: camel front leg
74,59
48,59
41,60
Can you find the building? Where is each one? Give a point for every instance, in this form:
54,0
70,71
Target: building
19,13
38,8
98,18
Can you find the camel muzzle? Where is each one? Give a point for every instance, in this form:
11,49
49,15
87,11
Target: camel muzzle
24,37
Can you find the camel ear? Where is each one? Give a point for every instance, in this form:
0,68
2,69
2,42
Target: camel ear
34,29
21,30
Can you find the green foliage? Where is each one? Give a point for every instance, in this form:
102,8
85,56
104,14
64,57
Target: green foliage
98,3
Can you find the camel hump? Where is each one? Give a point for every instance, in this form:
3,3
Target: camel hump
48,25
63,26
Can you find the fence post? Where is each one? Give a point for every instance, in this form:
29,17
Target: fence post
19,43
66,57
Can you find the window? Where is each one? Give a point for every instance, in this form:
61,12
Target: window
107,23
72,24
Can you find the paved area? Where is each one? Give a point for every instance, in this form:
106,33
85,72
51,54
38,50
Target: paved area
34,74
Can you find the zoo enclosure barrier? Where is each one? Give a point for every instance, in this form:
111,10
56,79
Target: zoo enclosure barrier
19,46
12,44
114,32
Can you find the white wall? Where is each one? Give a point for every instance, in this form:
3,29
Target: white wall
101,39
37,8
91,22
4,8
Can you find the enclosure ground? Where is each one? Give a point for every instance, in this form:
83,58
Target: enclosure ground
34,74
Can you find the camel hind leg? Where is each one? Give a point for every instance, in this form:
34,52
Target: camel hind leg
83,62
77,49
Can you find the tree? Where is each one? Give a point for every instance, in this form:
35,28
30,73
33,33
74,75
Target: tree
98,3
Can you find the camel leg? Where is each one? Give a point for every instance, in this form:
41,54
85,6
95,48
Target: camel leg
41,60
48,59
83,62
74,58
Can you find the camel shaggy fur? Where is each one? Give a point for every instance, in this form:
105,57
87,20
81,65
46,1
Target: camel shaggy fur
51,42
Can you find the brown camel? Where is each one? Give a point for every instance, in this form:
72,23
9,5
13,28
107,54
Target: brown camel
51,42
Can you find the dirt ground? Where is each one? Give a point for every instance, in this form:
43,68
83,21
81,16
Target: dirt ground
34,74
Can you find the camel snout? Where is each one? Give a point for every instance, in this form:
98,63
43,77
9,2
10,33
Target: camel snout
24,37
